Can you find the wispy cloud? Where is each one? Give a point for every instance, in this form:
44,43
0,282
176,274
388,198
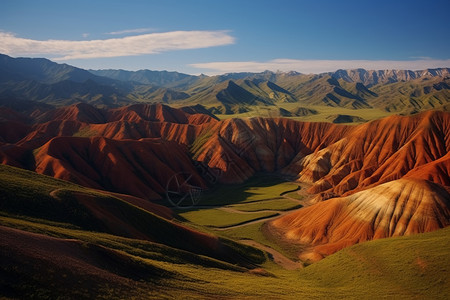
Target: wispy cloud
318,66
150,43
85,35
127,31
421,57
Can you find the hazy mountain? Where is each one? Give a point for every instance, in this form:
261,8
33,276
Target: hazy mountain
160,78
42,80
44,71
65,92
400,91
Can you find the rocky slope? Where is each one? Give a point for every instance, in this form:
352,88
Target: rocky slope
396,208
374,153
399,162
402,91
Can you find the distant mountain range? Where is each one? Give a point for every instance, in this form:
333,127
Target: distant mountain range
46,82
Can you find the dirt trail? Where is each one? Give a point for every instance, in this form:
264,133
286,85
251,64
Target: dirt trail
279,213
278,258
245,223
236,211
54,194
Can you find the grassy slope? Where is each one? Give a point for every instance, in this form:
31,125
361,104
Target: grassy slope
323,112
406,267
219,218
27,193
280,204
141,248
401,268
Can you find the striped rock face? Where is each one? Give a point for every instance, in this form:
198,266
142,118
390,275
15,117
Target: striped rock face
400,207
383,178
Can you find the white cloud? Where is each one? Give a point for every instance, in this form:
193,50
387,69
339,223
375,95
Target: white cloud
85,35
318,66
137,30
150,43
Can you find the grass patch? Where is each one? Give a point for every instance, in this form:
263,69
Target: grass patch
401,268
281,204
294,195
254,232
221,219
199,142
414,266
259,187
27,193
323,112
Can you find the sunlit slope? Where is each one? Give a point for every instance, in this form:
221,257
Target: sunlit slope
396,208
401,268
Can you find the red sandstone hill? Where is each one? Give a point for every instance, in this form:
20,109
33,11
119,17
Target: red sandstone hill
241,147
399,207
80,112
337,159
377,152
127,156
140,168
131,122
87,113
136,149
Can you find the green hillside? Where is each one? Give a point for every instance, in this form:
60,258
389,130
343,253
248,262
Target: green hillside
25,193
71,257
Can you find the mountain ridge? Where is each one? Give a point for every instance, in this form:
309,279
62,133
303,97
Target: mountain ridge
400,91
344,170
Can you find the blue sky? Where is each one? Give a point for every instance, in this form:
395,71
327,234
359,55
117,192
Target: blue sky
215,36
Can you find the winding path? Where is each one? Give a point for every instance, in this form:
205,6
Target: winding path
278,213
277,257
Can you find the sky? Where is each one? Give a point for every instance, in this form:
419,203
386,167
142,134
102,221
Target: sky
216,36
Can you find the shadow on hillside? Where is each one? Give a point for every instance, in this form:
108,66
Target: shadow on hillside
262,186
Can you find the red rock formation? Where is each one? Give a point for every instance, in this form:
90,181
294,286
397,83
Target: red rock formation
241,147
135,150
16,156
437,171
12,131
81,112
155,113
140,168
374,153
399,207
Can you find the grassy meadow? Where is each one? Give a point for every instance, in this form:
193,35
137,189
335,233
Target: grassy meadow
324,112
411,267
